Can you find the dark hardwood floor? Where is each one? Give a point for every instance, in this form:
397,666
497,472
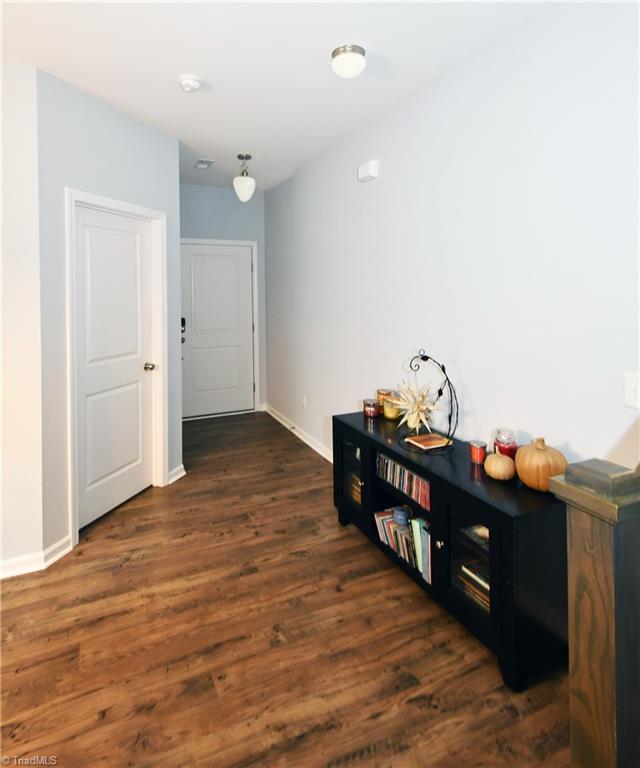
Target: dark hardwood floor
228,620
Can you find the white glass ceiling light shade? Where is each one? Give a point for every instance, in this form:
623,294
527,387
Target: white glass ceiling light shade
244,184
190,83
348,61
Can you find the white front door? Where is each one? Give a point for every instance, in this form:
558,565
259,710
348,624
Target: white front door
112,321
217,309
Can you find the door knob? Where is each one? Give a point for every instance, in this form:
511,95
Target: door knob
440,544
149,366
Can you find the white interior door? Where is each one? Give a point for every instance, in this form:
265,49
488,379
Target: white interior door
112,285
217,307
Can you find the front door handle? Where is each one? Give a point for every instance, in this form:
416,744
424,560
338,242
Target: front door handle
149,366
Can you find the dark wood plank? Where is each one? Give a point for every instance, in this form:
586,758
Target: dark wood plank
626,543
229,621
591,639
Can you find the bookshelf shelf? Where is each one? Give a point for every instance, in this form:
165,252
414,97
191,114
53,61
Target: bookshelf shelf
497,551
402,498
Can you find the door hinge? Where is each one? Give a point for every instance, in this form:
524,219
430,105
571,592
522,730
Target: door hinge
254,387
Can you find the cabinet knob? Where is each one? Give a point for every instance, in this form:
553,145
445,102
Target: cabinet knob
439,544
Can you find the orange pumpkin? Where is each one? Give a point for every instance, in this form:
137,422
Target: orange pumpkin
537,462
499,467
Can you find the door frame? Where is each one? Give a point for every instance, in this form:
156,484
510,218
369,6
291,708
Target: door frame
253,244
157,220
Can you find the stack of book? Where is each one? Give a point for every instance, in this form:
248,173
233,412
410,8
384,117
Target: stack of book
412,542
473,577
417,488
479,535
355,487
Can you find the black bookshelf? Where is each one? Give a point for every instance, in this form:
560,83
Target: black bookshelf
522,615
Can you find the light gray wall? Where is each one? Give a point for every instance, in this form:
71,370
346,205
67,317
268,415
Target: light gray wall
88,145
21,374
217,214
501,236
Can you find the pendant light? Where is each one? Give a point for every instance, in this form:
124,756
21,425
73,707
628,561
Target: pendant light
244,184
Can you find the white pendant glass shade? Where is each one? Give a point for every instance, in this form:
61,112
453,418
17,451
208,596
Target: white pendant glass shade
348,61
244,186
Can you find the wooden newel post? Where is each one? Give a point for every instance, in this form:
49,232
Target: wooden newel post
603,543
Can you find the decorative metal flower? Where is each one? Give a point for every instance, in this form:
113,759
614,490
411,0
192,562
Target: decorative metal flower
417,405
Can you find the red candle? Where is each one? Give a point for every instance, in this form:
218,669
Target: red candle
506,449
371,408
505,442
478,451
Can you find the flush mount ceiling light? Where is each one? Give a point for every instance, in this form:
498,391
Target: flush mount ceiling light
203,164
348,61
244,184
190,83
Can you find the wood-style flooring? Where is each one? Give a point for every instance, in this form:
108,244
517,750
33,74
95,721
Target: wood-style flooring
229,621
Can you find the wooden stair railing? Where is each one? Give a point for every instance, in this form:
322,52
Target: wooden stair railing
603,542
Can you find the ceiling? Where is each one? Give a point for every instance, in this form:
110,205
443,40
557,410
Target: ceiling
269,86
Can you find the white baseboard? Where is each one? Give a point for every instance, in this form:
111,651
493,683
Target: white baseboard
175,474
16,566
35,561
57,550
317,446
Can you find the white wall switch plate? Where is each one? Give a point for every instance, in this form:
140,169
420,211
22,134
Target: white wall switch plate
632,389
368,171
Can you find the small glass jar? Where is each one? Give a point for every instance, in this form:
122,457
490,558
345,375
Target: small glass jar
504,442
370,408
391,407
382,395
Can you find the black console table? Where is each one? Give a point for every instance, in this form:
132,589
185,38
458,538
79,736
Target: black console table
497,550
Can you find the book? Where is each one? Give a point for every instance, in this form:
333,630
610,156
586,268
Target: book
380,518
479,534
401,478
404,541
386,527
481,531
425,543
421,541
478,595
391,530
428,441
355,487
477,573
393,534
417,543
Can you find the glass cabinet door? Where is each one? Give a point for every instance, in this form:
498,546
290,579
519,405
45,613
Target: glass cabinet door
352,476
473,566
470,561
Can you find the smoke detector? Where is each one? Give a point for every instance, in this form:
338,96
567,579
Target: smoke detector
203,164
